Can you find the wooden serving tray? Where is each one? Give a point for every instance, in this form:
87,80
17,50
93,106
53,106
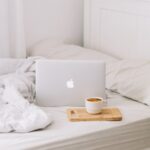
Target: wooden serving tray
107,114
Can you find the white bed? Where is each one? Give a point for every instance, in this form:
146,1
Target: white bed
133,133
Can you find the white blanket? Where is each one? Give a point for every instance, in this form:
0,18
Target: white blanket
17,113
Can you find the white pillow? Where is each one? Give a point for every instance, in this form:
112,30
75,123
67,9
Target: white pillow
130,78
43,47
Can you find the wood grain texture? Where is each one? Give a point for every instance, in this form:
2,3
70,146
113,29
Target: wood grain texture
107,114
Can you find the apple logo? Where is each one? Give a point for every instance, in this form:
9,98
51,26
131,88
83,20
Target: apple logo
70,84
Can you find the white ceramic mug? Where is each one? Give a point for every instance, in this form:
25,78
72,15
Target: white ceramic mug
94,105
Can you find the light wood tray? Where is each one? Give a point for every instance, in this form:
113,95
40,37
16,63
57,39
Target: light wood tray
107,114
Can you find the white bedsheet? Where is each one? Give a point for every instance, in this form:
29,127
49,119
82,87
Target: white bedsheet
133,133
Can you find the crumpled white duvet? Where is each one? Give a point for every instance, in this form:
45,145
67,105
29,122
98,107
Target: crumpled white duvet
17,90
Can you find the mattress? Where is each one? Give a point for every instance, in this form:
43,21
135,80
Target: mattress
132,133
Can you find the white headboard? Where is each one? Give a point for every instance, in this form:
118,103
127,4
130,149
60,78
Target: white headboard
120,28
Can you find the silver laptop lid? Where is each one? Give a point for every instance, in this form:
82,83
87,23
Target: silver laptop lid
68,82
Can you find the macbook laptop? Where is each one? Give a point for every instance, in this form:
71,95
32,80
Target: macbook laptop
69,82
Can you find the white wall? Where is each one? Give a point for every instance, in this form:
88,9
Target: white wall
58,19
4,33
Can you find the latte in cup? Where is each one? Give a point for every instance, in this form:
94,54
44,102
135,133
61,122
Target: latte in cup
94,105
94,99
